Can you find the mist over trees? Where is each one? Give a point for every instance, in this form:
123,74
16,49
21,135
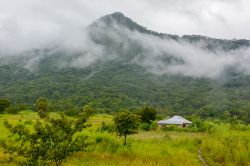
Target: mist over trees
126,66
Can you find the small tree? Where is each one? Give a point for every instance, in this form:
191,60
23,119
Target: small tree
42,107
126,123
147,114
88,110
4,103
50,141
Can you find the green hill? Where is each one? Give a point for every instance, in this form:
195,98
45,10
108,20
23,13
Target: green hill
126,65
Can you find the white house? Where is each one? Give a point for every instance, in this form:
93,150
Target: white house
175,120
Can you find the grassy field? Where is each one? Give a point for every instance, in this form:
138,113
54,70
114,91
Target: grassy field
222,144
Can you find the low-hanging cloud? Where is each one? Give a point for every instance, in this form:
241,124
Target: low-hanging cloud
168,56
32,24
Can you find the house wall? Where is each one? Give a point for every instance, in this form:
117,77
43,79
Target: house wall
178,125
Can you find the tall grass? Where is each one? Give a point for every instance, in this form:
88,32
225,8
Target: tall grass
220,144
227,146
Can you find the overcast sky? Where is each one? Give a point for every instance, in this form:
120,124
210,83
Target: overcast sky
22,21
36,24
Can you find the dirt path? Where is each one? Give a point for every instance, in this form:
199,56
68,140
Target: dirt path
203,161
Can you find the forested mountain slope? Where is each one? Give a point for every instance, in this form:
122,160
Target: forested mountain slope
125,65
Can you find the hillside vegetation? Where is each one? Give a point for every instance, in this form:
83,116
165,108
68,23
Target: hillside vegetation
129,71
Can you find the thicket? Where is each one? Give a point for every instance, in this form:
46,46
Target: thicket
49,140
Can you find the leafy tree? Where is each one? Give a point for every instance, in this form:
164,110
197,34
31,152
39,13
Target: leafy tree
42,107
23,107
88,110
126,123
147,114
50,141
145,126
4,103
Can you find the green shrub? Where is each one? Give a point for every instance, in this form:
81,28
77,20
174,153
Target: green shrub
28,122
23,107
106,127
145,126
202,126
12,110
51,140
72,112
4,104
153,125
147,114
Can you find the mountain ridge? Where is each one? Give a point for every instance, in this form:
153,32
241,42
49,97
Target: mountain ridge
119,17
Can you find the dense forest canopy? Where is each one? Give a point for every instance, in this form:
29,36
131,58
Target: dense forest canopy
124,65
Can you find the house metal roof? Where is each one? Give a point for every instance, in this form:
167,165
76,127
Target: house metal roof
174,120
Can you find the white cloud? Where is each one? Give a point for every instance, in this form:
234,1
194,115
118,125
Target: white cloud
194,60
166,56
39,23
35,24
